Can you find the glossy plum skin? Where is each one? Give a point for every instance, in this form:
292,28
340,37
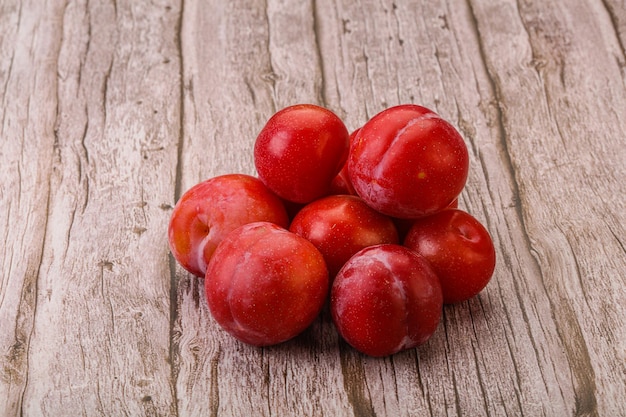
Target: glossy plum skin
341,183
208,211
300,150
265,285
459,249
386,299
404,225
340,226
408,162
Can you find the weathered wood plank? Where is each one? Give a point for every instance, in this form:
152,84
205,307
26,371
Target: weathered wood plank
100,339
28,78
558,94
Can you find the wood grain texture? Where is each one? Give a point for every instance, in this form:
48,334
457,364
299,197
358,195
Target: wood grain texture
110,110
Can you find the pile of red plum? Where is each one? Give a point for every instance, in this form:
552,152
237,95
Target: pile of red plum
365,223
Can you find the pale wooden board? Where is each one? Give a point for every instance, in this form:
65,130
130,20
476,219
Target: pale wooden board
111,110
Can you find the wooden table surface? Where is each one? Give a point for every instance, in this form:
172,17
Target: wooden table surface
110,110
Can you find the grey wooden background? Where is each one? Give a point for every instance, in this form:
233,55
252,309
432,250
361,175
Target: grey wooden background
111,109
